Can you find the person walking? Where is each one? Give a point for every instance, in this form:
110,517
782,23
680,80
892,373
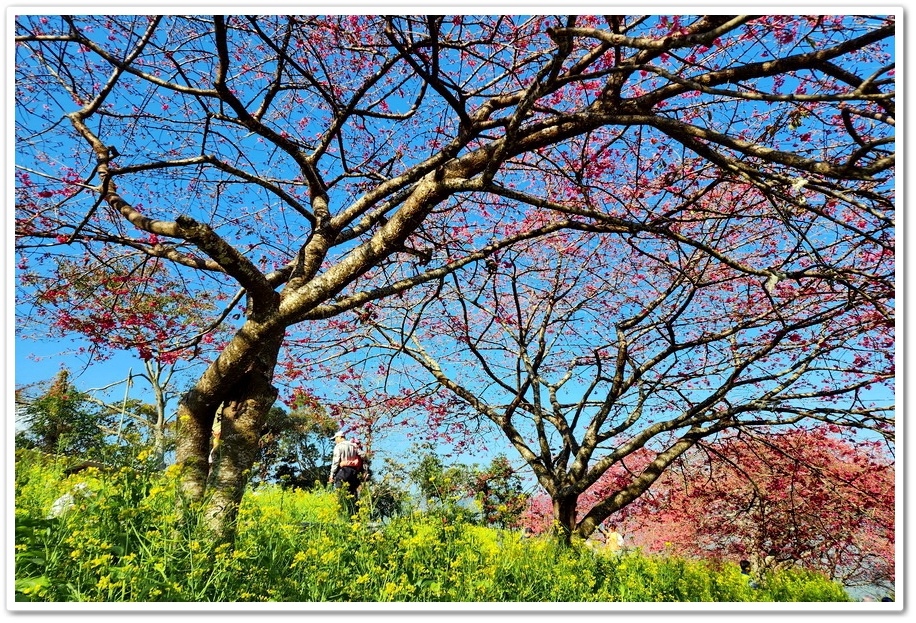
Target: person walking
613,540
346,469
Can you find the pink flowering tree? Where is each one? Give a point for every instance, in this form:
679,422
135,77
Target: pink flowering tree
805,497
596,356
310,167
811,498
124,302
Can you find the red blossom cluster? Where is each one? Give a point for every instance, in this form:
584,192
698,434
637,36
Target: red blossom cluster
812,498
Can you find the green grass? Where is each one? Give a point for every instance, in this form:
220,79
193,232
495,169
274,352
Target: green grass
126,542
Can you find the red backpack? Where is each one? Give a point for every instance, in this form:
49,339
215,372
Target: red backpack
356,462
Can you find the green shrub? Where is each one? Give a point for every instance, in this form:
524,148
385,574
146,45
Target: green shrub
801,585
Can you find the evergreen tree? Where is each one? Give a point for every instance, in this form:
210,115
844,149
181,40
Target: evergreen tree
62,420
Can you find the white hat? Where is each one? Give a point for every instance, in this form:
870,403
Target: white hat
340,433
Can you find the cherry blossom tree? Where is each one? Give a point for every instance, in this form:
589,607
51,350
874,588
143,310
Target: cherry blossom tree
119,302
797,497
589,353
294,171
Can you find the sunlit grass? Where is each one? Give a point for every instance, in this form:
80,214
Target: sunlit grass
125,541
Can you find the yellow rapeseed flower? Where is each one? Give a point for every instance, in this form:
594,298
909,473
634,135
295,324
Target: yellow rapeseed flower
328,557
390,589
299,558
104,559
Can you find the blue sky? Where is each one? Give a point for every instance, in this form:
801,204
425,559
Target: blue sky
101,374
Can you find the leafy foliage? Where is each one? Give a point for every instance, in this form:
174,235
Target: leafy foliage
492,495
295,447
499,490
124,544
62,420
438,482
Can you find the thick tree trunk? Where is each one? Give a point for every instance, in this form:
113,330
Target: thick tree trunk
242,420
242,387
564,515
192,448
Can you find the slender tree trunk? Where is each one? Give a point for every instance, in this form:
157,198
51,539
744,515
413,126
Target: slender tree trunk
158,427
159,444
